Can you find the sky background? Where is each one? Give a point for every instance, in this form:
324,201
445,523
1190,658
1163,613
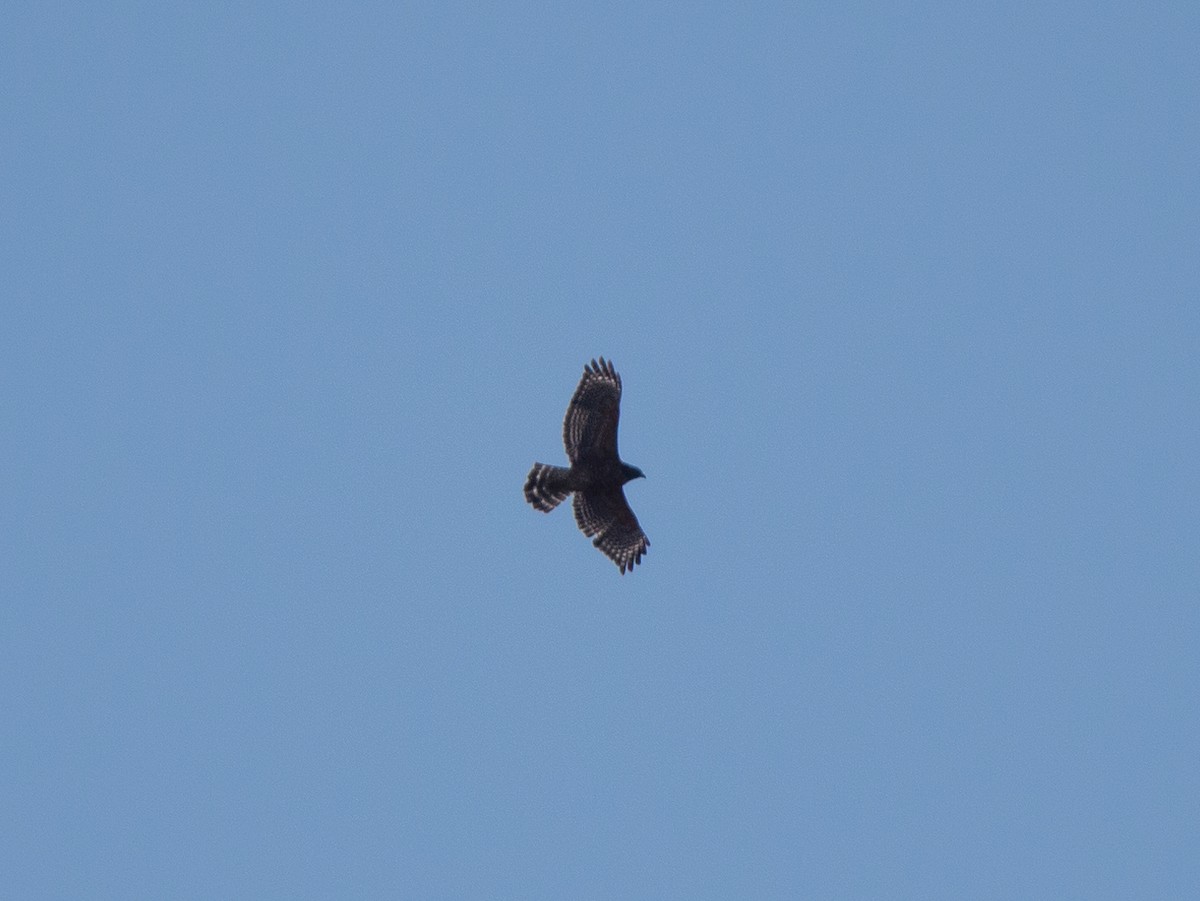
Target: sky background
905,304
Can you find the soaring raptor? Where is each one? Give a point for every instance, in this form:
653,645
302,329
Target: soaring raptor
596,473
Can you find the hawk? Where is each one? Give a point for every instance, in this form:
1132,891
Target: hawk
596,473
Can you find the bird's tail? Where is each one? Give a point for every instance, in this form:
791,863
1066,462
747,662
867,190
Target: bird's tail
546,486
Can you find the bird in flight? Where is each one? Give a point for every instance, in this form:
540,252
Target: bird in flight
596,473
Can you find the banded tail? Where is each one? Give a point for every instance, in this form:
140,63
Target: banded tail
546,486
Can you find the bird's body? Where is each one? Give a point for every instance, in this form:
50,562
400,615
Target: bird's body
596,473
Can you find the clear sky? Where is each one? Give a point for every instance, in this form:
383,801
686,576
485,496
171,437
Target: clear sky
904,298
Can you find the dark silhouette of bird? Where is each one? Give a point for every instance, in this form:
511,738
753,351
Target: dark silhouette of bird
596,473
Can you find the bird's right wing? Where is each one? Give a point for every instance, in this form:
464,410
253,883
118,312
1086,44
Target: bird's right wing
590,426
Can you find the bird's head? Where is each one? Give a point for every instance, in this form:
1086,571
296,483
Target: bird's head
631,472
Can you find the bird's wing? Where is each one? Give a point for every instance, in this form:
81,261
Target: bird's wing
590,426
607,516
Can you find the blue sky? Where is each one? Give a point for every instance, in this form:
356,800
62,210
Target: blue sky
905,304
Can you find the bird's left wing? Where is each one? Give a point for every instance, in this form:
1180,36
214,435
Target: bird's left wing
608,516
